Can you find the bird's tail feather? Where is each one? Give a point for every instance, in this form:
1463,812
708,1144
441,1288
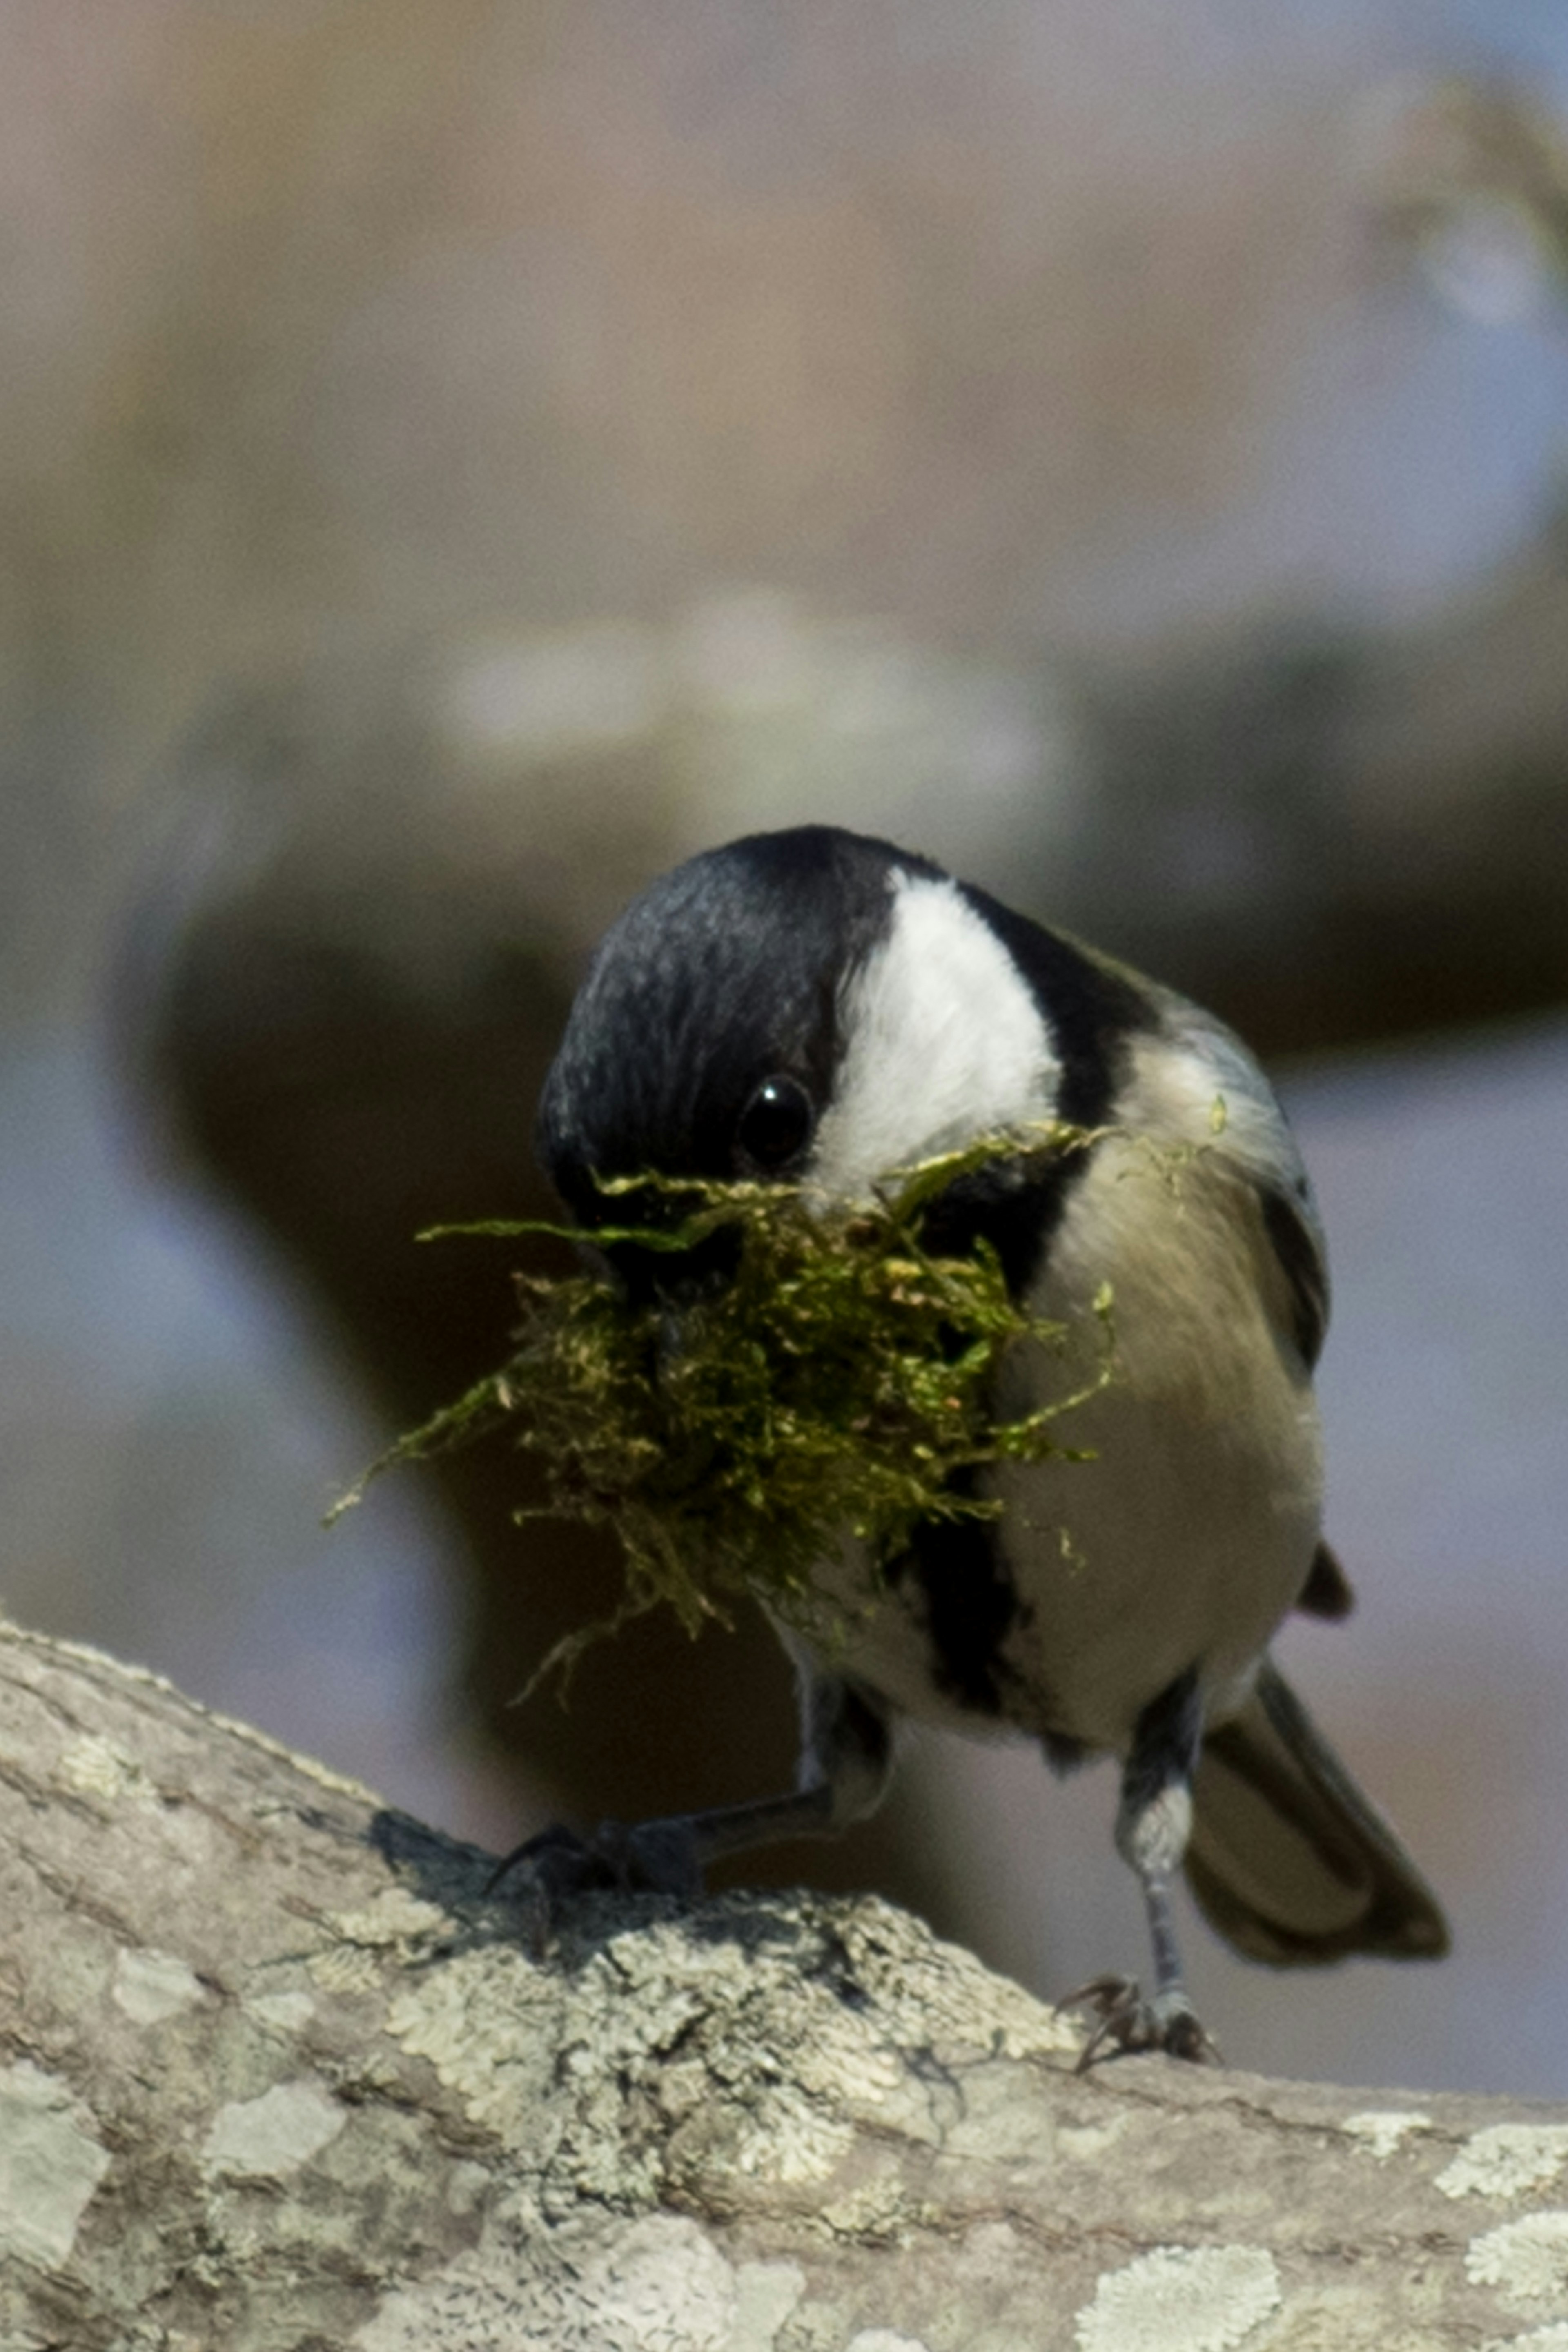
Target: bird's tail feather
1289,1860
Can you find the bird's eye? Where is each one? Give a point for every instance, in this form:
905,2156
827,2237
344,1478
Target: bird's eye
775,1124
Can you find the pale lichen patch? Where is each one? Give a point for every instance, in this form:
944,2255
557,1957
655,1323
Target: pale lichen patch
657,2283
792,2140
281,2012
882,2339
1552,2338
469,2187
396,1927
49,2166
476,2019
270,2138
766,2294
1526,2261
1181,2299
1380,2129
150,1986
346,1969
739,2058
654,2030
842,2062
660,2281
92,1766
936,1994
795,2083
396,1919
1506,2160
876,2205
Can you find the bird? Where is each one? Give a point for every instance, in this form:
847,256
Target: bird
812,1006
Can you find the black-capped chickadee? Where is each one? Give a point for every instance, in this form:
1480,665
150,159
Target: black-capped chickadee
818,1006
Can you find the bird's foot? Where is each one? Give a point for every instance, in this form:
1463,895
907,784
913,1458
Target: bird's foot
1125,2018
551,1868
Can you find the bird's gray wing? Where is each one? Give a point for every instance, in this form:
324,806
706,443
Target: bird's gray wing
1288,1858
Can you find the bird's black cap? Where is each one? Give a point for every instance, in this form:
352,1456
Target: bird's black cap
726,973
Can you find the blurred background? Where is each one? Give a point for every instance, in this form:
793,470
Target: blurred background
459,460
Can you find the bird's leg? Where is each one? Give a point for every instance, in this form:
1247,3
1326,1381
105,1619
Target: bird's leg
846,1761
1154,1822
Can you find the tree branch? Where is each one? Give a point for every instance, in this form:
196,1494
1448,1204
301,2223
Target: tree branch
277,2073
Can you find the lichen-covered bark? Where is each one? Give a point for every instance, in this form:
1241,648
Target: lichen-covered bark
275,2073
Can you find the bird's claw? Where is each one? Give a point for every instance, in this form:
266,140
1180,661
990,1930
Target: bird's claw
1167,2022
555,1865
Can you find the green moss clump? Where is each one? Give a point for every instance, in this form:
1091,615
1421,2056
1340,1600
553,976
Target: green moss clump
839,1385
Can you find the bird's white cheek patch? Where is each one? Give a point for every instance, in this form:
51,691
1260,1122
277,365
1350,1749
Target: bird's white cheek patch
943,1041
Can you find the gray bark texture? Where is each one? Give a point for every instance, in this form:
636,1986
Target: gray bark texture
277,2076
